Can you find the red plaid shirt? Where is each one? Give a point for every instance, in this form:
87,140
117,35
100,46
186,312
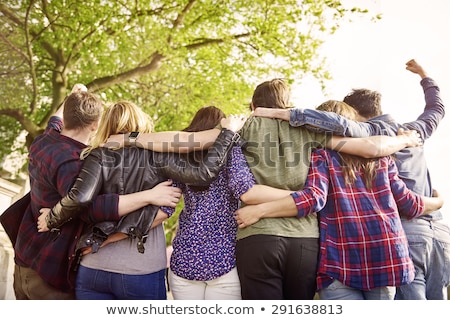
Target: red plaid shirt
54,164
362,242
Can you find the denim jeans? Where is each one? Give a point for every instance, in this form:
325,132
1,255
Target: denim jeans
429,246
339,291
93,284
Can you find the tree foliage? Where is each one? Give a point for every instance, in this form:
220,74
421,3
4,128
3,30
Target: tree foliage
170,57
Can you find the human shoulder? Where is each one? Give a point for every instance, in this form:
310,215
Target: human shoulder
384,124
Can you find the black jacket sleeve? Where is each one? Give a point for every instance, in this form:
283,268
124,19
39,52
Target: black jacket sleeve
86,187
189,170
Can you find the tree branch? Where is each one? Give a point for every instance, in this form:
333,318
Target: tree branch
26,123
16,49
101,83
30,61
180,18
11,15
155,63
206,42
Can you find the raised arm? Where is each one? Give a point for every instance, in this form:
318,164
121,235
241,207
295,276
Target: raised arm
427,123
416,68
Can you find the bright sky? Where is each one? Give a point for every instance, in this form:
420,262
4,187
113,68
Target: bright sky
373,55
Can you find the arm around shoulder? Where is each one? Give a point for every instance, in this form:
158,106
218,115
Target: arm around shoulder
375,146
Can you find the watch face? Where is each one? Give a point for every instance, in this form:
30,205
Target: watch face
133,135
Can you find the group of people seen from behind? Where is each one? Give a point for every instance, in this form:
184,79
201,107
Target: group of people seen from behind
330,203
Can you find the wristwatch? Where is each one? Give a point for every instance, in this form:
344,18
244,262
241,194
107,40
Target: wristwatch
132,137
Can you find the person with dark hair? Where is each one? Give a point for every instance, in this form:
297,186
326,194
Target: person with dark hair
428,235
368,102
363,249
126,259
203,263
43,262
277,258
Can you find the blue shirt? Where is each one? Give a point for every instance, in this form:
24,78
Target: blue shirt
411,162
204,245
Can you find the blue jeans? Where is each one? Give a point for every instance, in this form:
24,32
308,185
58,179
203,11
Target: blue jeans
429,246
339,291
93,284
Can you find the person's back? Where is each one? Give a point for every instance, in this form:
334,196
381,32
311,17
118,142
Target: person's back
278,156
202,265
133,267
124,171
53,166
358,202
427,234
363,245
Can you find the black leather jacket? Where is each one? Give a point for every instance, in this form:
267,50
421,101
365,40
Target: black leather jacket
129,170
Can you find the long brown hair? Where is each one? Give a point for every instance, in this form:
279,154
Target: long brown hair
206,118
351,164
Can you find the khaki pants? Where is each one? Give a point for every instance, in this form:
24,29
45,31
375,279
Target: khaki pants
28,285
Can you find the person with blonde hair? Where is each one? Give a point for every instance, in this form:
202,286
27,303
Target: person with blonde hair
127,259
428,235
278,156
363,248
277,258
44,262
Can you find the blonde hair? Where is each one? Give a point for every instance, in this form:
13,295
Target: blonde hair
350,163
340,108
121,117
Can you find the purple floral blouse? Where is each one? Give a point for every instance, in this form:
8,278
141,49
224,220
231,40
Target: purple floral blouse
204,245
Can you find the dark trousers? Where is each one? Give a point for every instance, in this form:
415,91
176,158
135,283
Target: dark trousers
277,268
